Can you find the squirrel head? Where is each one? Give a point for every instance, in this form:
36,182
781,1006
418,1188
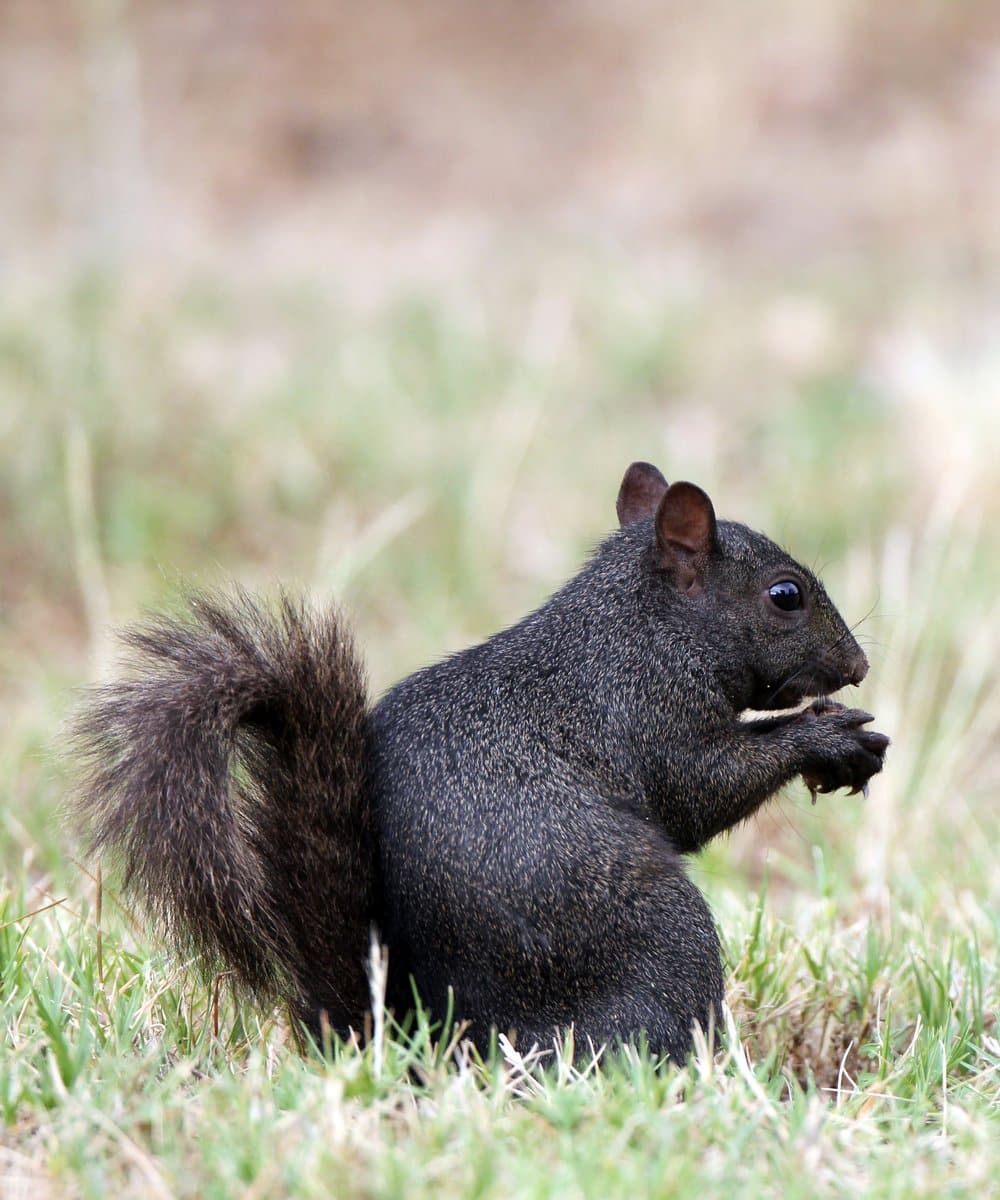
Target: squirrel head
761,621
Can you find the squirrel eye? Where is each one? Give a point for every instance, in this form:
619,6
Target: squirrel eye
786,595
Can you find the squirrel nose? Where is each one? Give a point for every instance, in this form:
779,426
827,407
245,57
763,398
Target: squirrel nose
860,669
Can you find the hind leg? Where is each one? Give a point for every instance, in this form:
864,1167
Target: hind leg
649,972
667,979
599,929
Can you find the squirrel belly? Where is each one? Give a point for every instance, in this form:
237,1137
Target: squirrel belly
511,820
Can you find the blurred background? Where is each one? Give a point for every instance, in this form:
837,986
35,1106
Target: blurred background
380,299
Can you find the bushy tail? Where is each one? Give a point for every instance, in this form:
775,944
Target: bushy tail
226,774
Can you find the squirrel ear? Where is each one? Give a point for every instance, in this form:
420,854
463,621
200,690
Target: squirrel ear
640,492
685,532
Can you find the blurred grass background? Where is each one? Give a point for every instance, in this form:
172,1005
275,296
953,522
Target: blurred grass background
381,300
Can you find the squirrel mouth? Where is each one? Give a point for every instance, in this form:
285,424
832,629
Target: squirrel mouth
798,692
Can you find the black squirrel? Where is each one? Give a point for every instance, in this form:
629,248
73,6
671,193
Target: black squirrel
510,820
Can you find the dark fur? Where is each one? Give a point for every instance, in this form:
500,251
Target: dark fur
511,819
227,777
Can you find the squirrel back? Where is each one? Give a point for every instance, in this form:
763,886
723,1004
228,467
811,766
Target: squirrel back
512,819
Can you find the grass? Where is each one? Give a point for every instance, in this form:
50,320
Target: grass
130,1084
442,464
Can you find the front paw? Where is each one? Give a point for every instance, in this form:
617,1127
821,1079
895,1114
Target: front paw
841,753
